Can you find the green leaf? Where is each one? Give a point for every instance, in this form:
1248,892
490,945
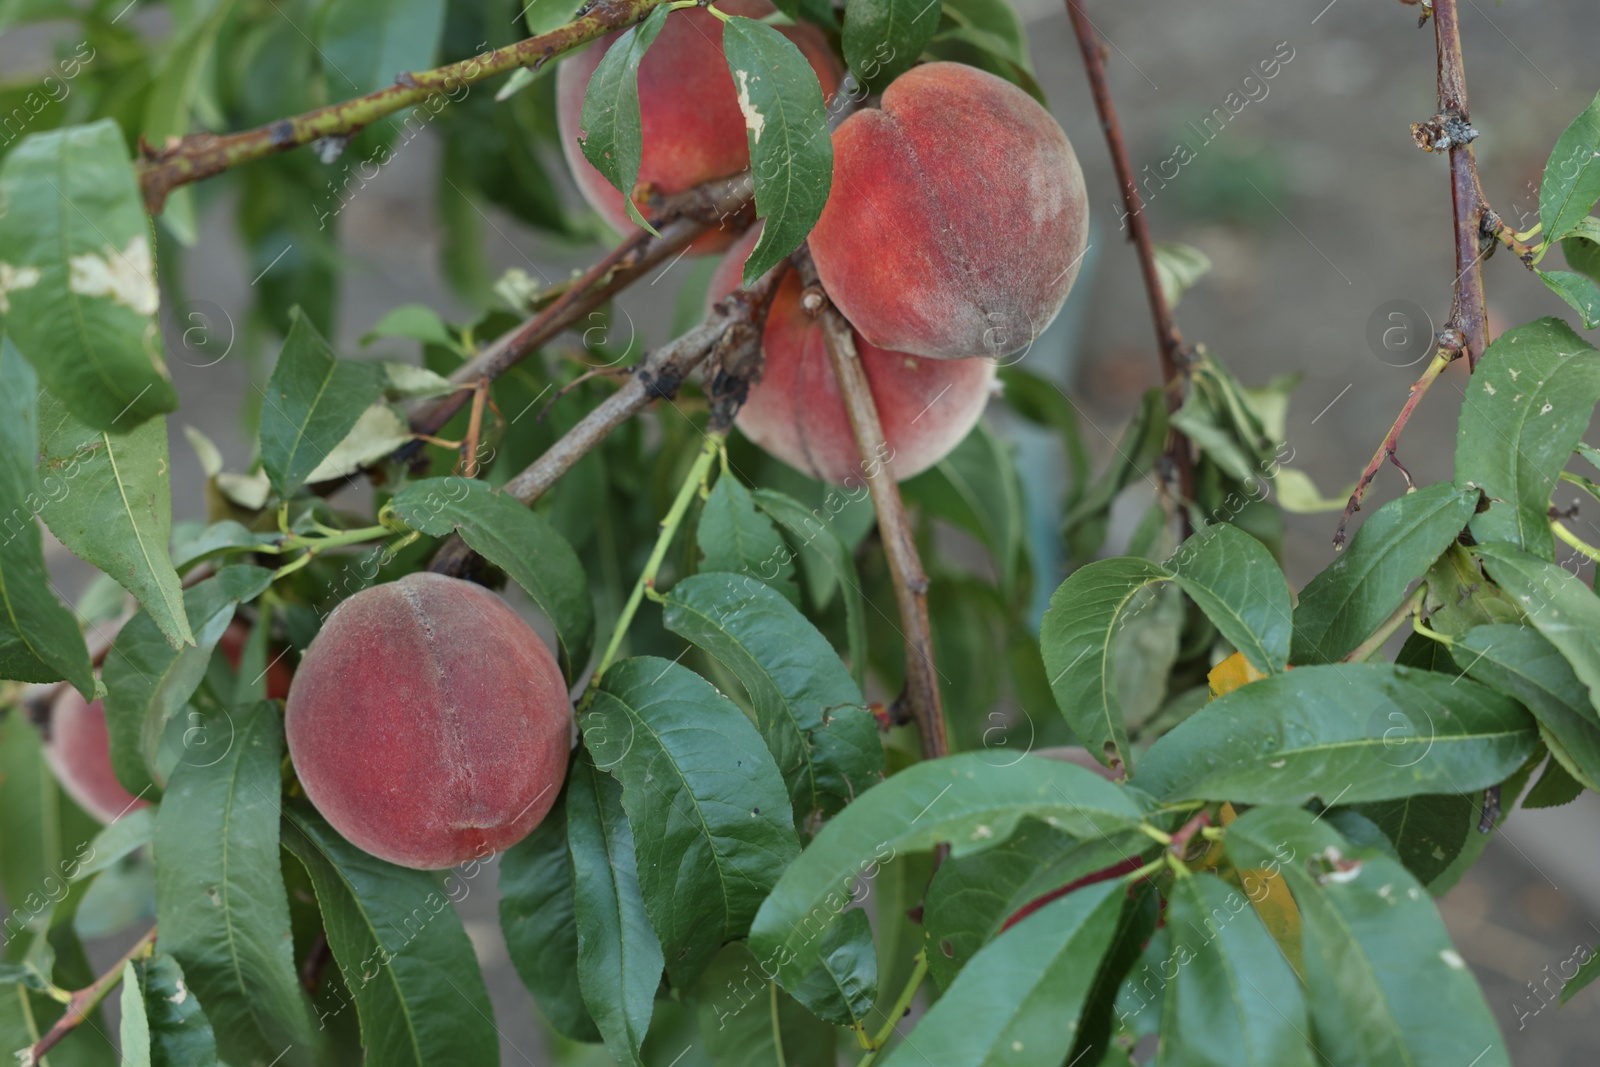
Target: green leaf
791,148
166,112
883,38
1385,985
741,1012
78,276
220,901
1571,182
1233,1002
120,839
619,958
963,800
1347,733
402,951
519,542
712,824
843,987
1526,408
1230,576
977,488
1179,266
1555,787
1075,639
1427,831
971,898
312,401
419,322
39,638
1018,1001
537,917
1354,594
1564,610
996,18
1580,291
148,681
734,537
170,1027
809,711
808,528
1582,248
108,499
613,141
1523,665
1140,446
1586,973
366,44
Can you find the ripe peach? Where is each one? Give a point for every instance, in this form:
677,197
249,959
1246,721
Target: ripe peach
688,109
796,413
957,216
429,723
79,752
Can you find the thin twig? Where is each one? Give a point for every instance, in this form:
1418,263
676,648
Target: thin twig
1169,341
899,546
1468,312
1388,628
85,1001
182,160
681,219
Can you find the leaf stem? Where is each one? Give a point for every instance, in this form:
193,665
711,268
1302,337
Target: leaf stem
1574,540
901,1005
777,1028
87,999
1412,605
647,577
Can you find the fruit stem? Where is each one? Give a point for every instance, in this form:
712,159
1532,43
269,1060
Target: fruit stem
647,577
901,1006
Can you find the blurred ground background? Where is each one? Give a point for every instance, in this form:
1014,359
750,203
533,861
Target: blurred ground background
1316,210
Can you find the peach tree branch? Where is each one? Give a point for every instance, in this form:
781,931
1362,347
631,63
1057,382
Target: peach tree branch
85,1001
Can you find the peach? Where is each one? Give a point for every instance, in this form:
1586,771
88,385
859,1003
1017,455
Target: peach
79,752
957,218
693,130
79,747
796,413
428,723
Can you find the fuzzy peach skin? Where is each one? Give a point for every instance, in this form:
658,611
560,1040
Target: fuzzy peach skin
957,218
79,747
796,413
79,753
428,723
688,109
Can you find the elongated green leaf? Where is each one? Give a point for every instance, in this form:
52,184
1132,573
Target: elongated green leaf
1355,593
712,824
1527,407
619,958
735,537
977,487
1571,182
148,681
118,840
1564,610
786,126
39,639
1580,291
109,500
613,141
369,42
1179,266
1234,1001
1582,248
1519,662
537,906
1348,732
1556,786
971,898
1086,612
883,38
741,1012
810,713
170,1028
311,402
402,951
519,542
808,529
220,901
843,986
1586,973
1385,985
1236,582
1018,1001
1427,831
963,800
1140,446
78,276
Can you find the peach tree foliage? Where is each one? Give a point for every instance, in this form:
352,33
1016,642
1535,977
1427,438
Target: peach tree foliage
748,861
